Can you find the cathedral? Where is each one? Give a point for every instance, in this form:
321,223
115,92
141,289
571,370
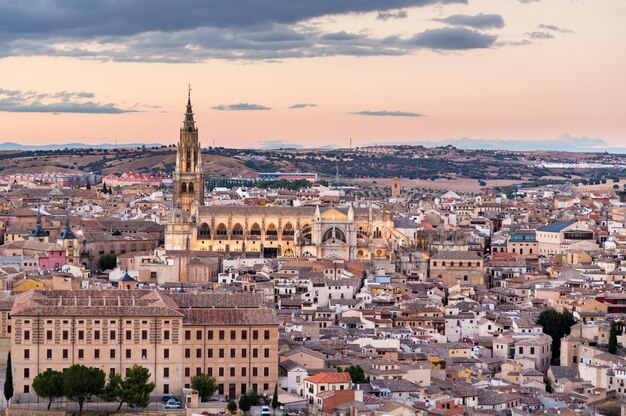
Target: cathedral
328,232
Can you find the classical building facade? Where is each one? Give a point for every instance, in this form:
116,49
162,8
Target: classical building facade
175,336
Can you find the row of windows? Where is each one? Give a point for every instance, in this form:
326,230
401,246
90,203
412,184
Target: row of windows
221,353
461,264
122,248
233,334
221,372
96,353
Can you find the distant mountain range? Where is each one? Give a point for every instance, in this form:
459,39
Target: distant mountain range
16,146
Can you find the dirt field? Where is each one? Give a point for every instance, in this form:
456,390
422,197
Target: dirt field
457,185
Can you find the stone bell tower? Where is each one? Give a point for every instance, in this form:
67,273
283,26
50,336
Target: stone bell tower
188,177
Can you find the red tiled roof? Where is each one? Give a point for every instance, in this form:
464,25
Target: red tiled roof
330,378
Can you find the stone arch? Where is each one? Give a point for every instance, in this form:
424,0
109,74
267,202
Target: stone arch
190,187
288,229
335,233
271,230
204,232
307,232
255,229
183,187
221,230
238,229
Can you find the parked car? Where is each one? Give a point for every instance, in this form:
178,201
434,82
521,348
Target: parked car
265,411
166,399
173,404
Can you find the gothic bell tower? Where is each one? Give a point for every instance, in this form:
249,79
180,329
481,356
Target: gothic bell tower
188,177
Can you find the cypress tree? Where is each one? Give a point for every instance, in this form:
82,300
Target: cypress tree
613,339
8,381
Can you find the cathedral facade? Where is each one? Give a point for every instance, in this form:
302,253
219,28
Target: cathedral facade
328,232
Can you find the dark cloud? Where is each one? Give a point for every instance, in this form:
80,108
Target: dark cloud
240,107
197,30
392,14
18,101
302,105
478,21
540,35
452,38
555,28
384,113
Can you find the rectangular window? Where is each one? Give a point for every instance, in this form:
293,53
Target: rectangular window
129,353
232,371
187,335
232,353
144,334
166,353
96,335
244,372
81,335
210,335
65,354
244,353
81,353
209,353
96,353
266,371
233,334
66,335
166,334
266,335
111,353
166,372
27,373
144,353
49,335
187,353
221,334
26,354
221,372
187,371
255,372
221,353
244,334
266,353
255,353
49,354
255,334
129,335
26,335
112,335
198,352
199,335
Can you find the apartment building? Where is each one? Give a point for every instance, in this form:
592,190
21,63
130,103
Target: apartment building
114,329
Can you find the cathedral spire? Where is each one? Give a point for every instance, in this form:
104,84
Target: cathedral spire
189,123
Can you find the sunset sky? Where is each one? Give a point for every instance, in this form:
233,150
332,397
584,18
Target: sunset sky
315,72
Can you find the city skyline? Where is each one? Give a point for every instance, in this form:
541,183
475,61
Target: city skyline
311,75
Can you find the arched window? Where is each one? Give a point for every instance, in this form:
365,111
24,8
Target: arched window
221,229
335,233
237,229
183,187
271,230
378,233
288,229
307,233
204,232
190,188
256,229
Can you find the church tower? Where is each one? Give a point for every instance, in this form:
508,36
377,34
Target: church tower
188,177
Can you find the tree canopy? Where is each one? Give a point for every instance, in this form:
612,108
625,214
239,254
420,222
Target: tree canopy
205,385
557,325
80,383
8,379
49,385
613,339
134,390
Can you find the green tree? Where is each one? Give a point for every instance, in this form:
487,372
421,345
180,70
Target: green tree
113,390
8,379
107,261
613,339
134,390
244,403
88,185
254,398
205,385
80,383
275,402
49,385
104,188
231,406
557,325
356,374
